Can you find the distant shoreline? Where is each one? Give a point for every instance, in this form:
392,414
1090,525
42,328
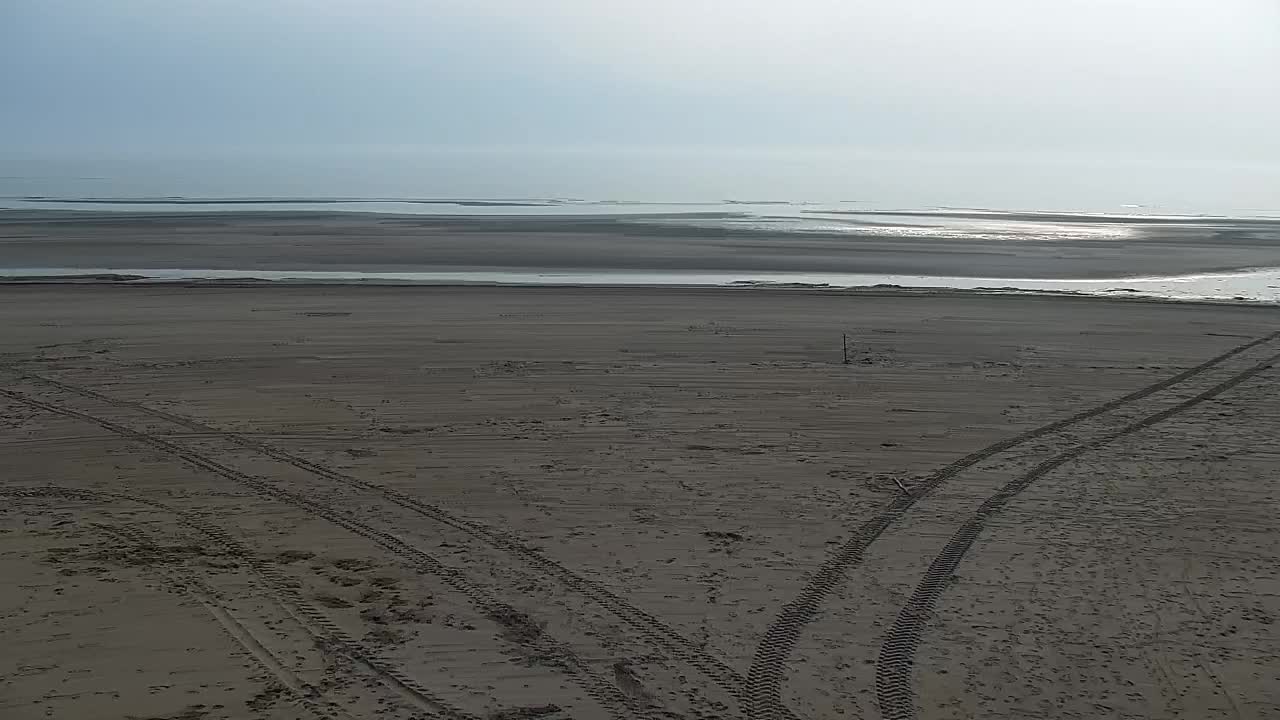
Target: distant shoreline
41,205
1147,289
719,248
127,284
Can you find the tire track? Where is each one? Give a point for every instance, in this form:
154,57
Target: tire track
518,627
326,633
769,664
300,691
894,691
653,630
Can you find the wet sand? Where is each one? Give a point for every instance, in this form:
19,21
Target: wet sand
368,242
351,502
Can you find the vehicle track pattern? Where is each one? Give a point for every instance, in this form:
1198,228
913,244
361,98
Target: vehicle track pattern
300,692
323,630
521,628
653,630
894,687
769,664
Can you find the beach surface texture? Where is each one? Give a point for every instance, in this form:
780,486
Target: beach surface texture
351,502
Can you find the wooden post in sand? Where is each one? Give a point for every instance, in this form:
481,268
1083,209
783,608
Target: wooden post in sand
844,337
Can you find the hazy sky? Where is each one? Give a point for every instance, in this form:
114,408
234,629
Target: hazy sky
1159,83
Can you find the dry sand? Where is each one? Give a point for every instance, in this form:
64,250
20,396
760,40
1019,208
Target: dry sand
343,502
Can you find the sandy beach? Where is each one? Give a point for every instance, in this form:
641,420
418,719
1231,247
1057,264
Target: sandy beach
346,502
639,361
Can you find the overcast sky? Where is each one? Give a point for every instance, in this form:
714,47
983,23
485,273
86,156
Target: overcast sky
1179,82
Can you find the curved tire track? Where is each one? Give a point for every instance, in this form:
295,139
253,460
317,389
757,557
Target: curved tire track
323,630
520,628
768,666
653,630
894,691
301,692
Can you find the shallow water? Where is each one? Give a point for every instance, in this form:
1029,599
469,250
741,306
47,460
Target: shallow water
1260,285
935,228
797,218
